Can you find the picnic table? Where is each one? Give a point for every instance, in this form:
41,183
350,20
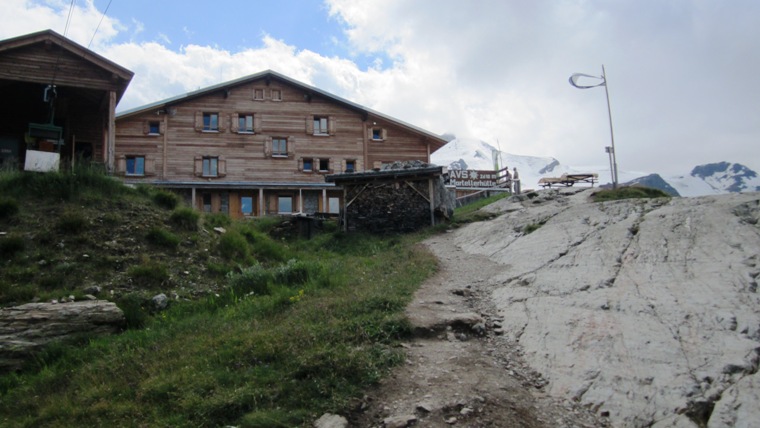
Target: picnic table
569,179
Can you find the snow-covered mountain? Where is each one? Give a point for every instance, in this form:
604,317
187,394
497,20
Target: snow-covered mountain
708,179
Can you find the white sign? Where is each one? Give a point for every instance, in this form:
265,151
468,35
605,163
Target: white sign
41,161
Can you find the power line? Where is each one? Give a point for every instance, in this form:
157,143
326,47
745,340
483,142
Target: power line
68,19
101,21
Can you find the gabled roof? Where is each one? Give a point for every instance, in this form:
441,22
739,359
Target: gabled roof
123,75
436,141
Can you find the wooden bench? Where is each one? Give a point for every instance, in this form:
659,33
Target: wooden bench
569,179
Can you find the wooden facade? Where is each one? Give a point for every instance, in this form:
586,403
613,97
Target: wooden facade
46,79
260,145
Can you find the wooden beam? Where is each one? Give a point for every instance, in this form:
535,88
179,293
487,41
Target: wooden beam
111,133
431,189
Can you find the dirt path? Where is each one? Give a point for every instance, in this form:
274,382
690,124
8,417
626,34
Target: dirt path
460,371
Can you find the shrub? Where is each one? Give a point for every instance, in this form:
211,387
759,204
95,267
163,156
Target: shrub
11,245
250,279
294,272
135,313
185,218
264,247
233,246
71,222
217,220
162,237
166,199
8,207
148,273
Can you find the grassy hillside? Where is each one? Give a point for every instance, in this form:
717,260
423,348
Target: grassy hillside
263,329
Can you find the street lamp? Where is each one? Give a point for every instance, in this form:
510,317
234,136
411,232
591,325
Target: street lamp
609,149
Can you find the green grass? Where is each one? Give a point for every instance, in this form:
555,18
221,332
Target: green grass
268,331
323,332
628,193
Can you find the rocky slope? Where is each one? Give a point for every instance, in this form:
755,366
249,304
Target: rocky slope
643,310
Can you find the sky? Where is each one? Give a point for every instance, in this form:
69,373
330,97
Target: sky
683,76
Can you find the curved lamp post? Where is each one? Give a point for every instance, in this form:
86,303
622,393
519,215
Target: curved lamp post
609,149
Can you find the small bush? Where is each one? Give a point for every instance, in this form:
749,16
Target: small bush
134,310
530,228
264,247
294,272
8,207
166,199
162,237
11,245
233,246
71,223
185,218
149,273
217,220
251,279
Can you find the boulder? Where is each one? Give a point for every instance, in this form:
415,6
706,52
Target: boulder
26,328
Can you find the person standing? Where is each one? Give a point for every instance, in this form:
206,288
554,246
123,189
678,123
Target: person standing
516,181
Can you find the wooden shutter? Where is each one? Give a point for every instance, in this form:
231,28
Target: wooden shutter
198,171
121,164
310,125
146,127
199,120
221,167
256,123
331,125
384,134
268,147
234,122
162,127
224,121
150,166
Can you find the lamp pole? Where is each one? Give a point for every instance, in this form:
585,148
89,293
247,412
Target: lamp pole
613,158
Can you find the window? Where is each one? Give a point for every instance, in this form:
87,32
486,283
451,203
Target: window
377,134
154,128
350,165
211,121
246,205
324,165
206,202
333,205
279,147
258,94
210,167
320,125
276,95
308,165
245,123
284,204
135,165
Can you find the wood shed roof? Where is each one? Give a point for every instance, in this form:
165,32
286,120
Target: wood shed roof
65,66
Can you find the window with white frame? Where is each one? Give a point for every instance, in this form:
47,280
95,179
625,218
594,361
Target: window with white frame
246,205
324,165
245,123
308,165
280,147
320,125
135,165
350,166
211,122
210,166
